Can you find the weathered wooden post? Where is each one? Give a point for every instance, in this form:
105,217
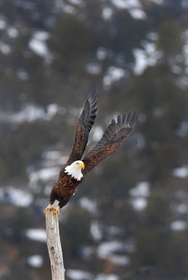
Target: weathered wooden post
54,245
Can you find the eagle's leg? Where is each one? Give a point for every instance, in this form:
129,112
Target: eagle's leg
47,208
57,210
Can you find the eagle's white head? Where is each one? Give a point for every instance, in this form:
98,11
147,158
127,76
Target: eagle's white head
74,170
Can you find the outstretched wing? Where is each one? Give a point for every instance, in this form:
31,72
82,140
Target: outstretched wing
83,126
113,137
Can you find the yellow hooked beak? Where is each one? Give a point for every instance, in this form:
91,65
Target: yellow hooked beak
81,165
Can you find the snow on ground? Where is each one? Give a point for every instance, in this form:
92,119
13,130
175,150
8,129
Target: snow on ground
88,204
93,68
35,261
106,250
137,13
182,208
30,113
15,196
107,277
185,47
113,74
107,13
3,23
96,230
5,49
134,7
182,131
53,158
12,32
141,189
180,172
76,2
179,225
139,195
102,53
127,4
76,274
108,247
159,2
139,203
37,44
148,56
145,57
36,234
44,174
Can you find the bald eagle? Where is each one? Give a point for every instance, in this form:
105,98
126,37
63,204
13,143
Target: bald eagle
75,170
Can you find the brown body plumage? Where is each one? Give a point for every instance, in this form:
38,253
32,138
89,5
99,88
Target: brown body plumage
74,171
63,189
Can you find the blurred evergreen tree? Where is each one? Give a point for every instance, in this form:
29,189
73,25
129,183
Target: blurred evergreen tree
75,229
18,151
126,34
170,44
164,108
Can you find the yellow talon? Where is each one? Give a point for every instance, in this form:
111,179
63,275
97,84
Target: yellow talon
47,208
56,210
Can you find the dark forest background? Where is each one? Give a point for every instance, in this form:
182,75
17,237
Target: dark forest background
51,55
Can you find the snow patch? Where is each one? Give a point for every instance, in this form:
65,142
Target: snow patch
30,113
88,204
35,261
93,68
107,13
76,274
37,44
96,231
139,203
139,195
44,174
36,234
180,172
126,4
144,58
178,225
137,14
102,53
5,49
3,23
134,7
76,2
12,32
182,208
141,189
106,250
159,2
114,74
107,277
15,196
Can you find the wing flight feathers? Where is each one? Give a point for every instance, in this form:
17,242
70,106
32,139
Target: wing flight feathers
112,138
83,126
